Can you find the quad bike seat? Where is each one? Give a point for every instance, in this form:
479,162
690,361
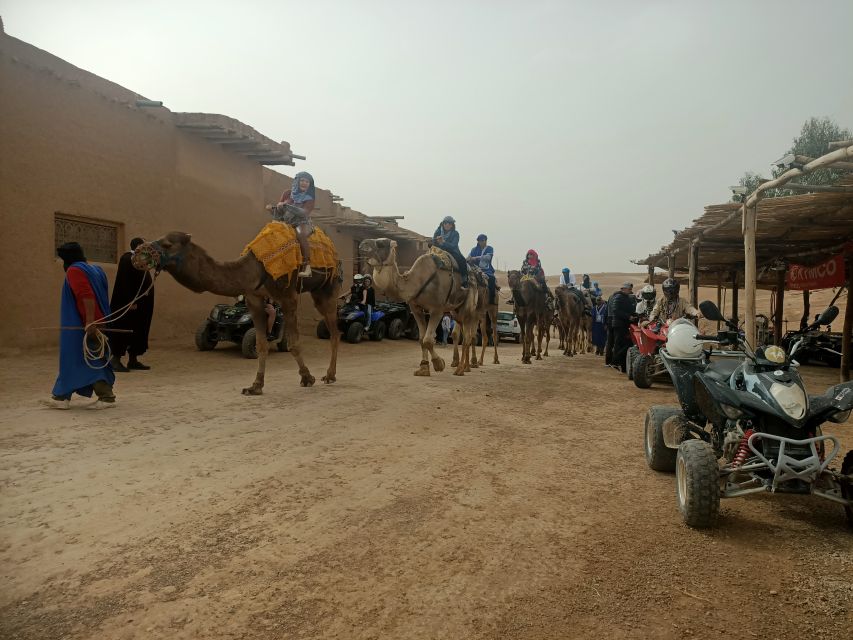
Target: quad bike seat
722,370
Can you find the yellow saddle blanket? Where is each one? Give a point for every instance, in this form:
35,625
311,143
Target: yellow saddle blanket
278,250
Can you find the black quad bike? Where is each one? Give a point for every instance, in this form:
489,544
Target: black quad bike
815,346
746,425
233,323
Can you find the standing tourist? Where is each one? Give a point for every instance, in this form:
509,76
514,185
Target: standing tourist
620,310
85,300
599,326
129,283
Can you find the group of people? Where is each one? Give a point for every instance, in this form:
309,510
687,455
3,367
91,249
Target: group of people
623,308
446,237
87,360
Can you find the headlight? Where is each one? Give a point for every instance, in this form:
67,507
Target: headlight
775,354
791,398
246,317
214,315
839,416
733,413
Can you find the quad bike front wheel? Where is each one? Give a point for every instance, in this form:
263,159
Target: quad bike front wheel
354,332
632,354
204,340
396,329
249,346
644,367
847,485
697,484
377,331
658,456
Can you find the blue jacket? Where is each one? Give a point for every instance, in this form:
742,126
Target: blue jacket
486,254
451,238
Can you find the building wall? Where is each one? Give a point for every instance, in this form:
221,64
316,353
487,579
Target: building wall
74,143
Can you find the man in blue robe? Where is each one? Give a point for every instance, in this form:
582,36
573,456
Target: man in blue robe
85,301
481,256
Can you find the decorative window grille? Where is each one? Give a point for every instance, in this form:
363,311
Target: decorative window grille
99,239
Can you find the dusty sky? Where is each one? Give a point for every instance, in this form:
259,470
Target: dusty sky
586,130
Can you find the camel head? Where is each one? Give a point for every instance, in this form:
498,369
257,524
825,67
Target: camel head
166,253
514,279
379,252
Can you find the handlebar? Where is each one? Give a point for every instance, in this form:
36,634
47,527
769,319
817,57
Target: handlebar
702,338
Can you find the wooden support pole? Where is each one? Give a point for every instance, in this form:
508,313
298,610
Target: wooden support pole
693,269
719,296
780,306
749,279
652,274
804,321
670,265
735,291
848,323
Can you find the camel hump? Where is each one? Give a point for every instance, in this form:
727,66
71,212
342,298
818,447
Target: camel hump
277,248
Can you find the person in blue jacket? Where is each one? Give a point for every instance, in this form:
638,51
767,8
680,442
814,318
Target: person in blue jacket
482,256
447,237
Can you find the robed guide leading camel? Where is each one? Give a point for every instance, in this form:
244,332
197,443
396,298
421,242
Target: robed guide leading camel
531,309
428,289
192,267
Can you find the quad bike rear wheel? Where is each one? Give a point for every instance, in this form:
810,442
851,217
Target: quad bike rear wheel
644,367
658,456
395,329
631,355
697,484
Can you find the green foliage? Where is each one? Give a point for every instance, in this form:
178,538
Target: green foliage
813,142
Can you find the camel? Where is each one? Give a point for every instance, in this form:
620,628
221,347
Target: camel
192,267
427,289
488,318
571,306
531,310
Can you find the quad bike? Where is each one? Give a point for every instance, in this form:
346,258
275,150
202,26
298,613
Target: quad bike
816,346
233,323
643,362
388,320
745,424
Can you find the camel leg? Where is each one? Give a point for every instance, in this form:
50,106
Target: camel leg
539,337
455,339
464,361
288,308
259,321
326,302
493,314
420,320
528,342
547,333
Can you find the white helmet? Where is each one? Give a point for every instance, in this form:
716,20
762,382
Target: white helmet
681,341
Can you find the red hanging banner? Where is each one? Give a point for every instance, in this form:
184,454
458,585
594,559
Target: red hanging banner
825,275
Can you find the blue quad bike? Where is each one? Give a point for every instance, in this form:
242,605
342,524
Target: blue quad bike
389,320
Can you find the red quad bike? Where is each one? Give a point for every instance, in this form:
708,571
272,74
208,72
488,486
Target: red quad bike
643,362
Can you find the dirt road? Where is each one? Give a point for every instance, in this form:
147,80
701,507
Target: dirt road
512,503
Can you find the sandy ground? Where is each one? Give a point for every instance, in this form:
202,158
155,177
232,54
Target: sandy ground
512,503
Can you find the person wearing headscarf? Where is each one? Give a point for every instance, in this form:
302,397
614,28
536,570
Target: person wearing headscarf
129,283
585,284
447,237
481,256
294,209
85,301
532,266
567,278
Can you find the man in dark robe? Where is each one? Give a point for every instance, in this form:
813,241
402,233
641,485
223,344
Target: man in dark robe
131,282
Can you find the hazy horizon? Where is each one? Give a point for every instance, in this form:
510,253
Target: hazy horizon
588,131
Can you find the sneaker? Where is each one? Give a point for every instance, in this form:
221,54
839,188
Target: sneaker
53,403
136,364
306,272
101,404
118,366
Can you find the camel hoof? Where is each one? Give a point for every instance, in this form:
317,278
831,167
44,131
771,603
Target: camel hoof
474,365
253,391
438,364
538,357
423,371
329,379
307,381
458,373
454,364
497,361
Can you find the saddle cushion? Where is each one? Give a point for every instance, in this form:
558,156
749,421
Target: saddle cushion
277,248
